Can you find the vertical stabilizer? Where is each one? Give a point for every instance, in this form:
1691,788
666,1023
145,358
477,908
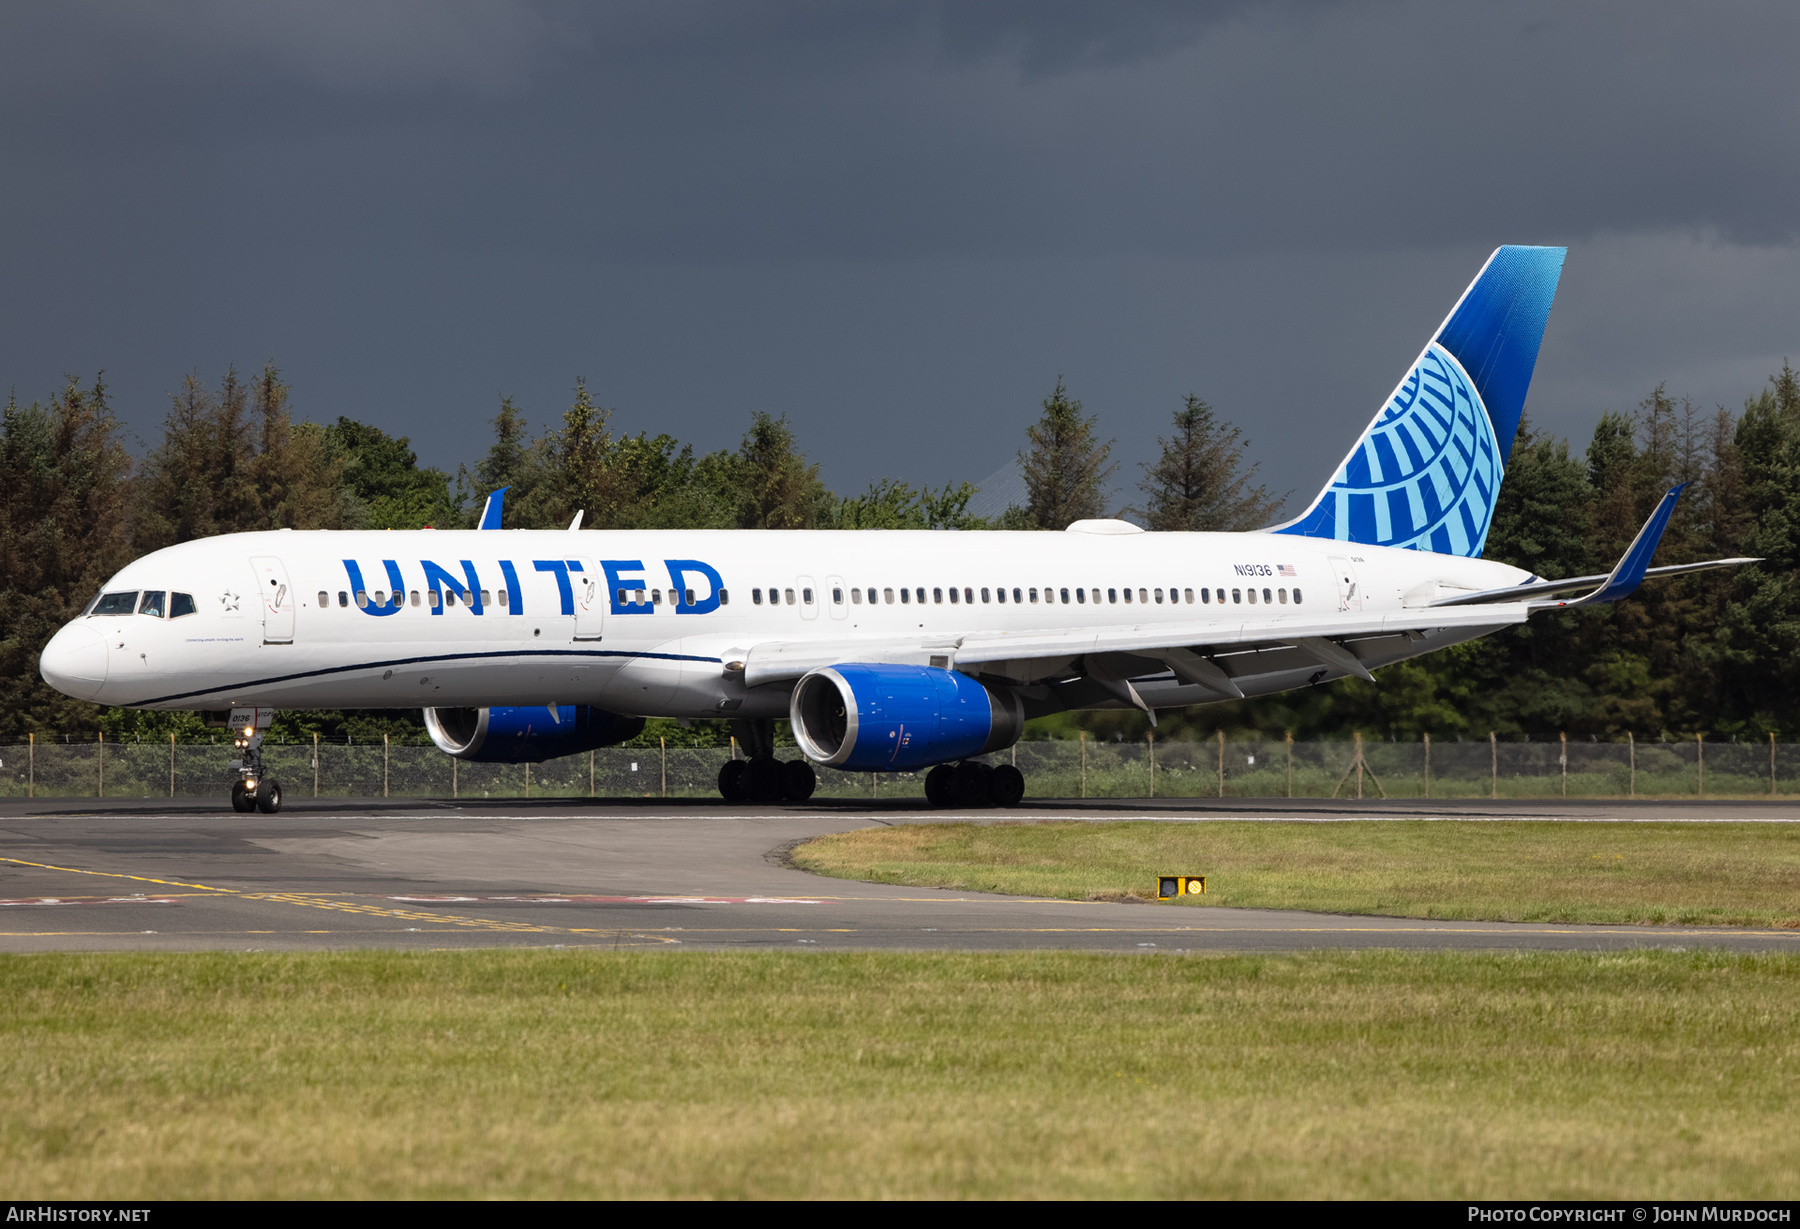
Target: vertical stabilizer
1427,472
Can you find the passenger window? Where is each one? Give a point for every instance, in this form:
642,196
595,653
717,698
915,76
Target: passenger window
381,597
837,597
449,597
503,599
968,595
1296,597
1065,597
1016,596
999,596
1081,596
690,597
1159,597
1237,595
1282,594
724,597
485,598
984,596
1034,597
1190,596
643,597
1265,596
856,597
1112,595
756,597
656,597
152,603
621,598
362,600
183,604
806,596
1128,596
920,594
431,599
1206,597
937,595
324,600
905,596
1143,595
1253,597
343,598
415,597
116,603
888,595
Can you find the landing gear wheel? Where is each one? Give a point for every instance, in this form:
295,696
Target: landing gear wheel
268,796
937,786
731,781
1006,786
968,784
762,779
241,798
798,780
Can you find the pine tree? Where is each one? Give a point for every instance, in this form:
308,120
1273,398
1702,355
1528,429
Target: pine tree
1065,467
1201,482
780,490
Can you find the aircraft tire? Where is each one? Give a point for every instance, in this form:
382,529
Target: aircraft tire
241,801
798,780
268,796
731,781
937,786
1006,786
968,784
762,779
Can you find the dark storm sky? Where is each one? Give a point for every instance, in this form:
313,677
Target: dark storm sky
896,223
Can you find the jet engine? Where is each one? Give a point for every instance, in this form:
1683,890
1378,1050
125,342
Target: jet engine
886,718
521,735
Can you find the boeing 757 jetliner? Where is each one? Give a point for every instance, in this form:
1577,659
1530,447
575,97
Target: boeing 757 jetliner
889,651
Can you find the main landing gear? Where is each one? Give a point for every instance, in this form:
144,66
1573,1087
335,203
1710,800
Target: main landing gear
762,777
974,784
252,791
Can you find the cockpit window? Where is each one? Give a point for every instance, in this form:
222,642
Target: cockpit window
152,603
181,604
116,603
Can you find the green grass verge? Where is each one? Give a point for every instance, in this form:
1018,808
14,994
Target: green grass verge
557,1074
1695,874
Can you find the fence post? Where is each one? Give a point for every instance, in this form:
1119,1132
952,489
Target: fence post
1771,763
1221,763
1083,734
1564,736
1428,763
1151,736
1359,764
100,758
384,765
663,752
1700,765
1290,751
31,764
455,789
1493,766
528,778
590,772
1631,750
316,765
172,764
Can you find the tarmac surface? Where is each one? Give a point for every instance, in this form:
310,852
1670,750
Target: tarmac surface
191,875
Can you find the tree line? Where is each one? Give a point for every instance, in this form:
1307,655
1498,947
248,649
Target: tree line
1713,652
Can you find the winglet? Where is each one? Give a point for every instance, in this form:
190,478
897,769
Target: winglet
490,512
1629,573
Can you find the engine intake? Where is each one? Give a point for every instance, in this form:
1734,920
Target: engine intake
884,718
526,735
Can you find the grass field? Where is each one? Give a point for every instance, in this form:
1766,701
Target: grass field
557,1074
1697,874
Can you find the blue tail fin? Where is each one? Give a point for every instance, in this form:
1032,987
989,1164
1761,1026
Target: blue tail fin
1427,472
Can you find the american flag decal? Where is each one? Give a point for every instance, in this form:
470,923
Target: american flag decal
1285,569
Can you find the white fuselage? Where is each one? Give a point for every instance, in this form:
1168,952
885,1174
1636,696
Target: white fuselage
633,621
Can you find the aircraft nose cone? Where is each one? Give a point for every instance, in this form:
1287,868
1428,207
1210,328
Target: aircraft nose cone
74,662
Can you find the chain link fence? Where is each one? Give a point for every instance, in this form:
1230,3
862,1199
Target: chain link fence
1216,768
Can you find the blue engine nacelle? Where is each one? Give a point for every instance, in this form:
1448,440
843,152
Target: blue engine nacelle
878,718
521,735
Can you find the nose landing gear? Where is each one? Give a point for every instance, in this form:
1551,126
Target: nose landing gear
252,791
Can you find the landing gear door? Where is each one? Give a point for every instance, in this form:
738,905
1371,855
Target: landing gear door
1344,572
589,586
277,598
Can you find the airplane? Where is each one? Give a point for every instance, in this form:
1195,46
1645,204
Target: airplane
888,651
